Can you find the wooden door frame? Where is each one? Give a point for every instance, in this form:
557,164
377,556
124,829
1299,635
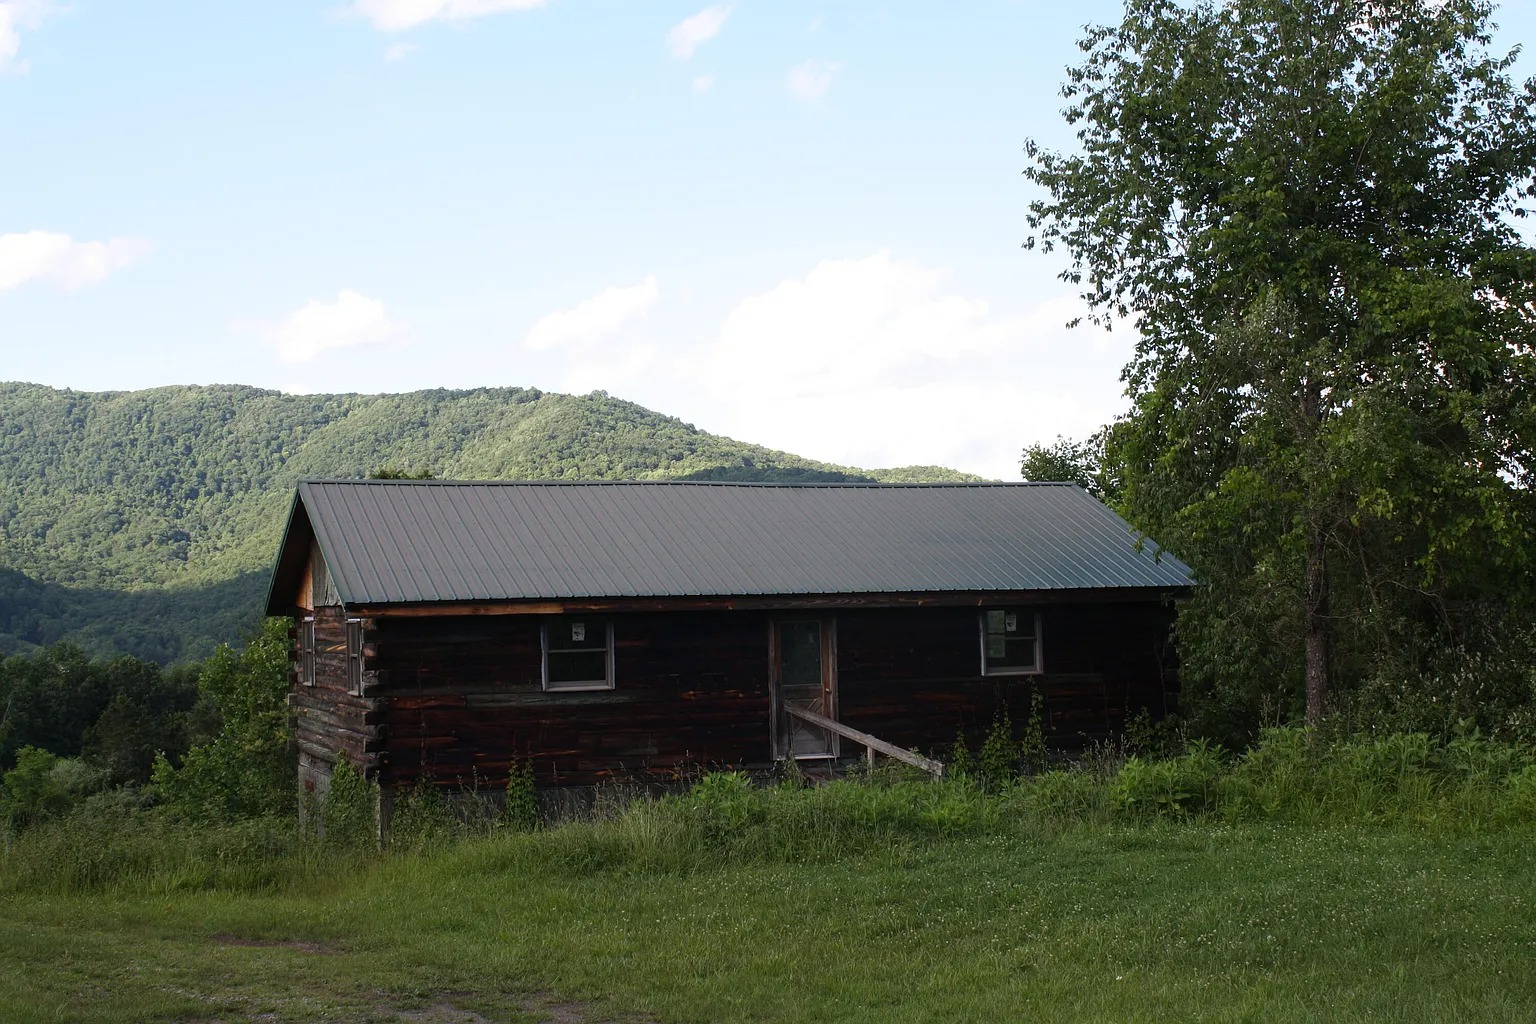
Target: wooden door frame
828,624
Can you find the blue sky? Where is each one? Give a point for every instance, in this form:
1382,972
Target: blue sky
796,223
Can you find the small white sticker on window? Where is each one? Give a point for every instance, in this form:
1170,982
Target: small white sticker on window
1013,623
578,632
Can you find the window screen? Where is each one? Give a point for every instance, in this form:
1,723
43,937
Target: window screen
1010,641
578,654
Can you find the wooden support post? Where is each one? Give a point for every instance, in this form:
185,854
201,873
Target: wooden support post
383,812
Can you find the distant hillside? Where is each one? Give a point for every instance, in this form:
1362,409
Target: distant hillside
144,521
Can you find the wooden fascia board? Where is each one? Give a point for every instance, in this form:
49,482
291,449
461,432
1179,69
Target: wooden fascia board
561,606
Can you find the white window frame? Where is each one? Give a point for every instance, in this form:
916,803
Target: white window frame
1011,670
355,657
584,685
307,650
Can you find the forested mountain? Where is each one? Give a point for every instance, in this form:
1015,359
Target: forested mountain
144,521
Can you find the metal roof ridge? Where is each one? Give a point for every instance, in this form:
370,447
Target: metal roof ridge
779,484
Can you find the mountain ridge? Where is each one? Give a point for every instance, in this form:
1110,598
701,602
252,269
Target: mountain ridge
127,503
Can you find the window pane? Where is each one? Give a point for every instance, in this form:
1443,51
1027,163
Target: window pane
800,651
578,667
1018,652
578,635
1010,639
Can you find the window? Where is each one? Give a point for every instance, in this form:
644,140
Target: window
578,654
355,656
307,651
1010,642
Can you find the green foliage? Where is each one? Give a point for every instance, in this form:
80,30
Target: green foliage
422,817
1074,795
247,770
348,808
520,804
145,521
393,473
962,763
118,713
998,764
1079,462
104,846
1174,787
1309,208
1033,755
32,792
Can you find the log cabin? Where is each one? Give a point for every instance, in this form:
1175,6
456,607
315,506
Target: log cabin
452,630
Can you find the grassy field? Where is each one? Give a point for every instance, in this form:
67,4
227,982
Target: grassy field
1029,921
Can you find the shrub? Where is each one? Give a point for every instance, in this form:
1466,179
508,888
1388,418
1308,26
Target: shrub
998,764
1065,794
33,791
1180,786
348,808
247,771
520,805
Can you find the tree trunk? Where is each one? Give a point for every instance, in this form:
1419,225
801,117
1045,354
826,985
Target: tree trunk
1316,628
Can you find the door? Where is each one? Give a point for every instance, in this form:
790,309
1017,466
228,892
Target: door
803,655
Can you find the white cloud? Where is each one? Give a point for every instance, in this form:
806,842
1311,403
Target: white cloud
696,30
399,15
877,362
703,83
16,15
57,259
810,81
872,361
596,318
400,51
351,320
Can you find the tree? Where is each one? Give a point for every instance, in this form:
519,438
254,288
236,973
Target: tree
1307,207
1078,462
247,770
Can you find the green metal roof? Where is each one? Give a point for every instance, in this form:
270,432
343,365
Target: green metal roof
397,541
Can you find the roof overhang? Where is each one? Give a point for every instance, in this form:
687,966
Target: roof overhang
774,602
292,557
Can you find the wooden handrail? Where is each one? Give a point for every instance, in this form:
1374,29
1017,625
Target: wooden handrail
870,743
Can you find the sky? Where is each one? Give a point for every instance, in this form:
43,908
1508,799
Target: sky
798,224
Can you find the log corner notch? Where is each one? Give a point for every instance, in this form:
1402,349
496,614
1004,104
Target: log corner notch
330,715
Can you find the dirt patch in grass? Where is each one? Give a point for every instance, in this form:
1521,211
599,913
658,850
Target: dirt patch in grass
226,939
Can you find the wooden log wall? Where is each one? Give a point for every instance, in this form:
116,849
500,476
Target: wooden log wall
461,697
330,722
913,676
458,698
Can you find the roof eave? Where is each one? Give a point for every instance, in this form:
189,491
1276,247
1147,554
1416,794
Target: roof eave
288,567
768,602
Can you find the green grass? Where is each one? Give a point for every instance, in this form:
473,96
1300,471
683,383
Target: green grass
1379,879
1191,922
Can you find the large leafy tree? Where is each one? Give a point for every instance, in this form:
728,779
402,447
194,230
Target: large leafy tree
1308,209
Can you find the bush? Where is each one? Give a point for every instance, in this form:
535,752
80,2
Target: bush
347,811
247,770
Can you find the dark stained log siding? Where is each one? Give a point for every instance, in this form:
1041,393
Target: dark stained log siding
913,676
459,697
328,720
